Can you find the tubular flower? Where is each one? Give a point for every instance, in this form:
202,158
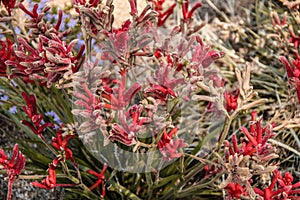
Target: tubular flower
168,146
35,123
95,16
61,144
162,15
52,61
235,190
38,26
187,15
50,181
257,138
231,99
285,188
101,179
293,72
9,5
13,167
119,98
130,124
6,53
163,85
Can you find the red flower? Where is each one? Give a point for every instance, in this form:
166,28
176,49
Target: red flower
130,124
162,16
9,4
285,188
231,99
88,4
133,7
35,118
257,138
293,71
101,179
166,137
256,143
50,181
170,150
61,144
6,53
202,56
52,61
169,147
235,190
119,98
13,167
187,15
116,47
163,85
294,39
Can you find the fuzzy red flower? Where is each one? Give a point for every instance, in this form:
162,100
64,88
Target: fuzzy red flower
187,15
255,144
285,188
61,144
130,124
6,53
163,84
50,181
101,179
168,146
231,99
9,5
35,123
235,190
257,138
119,98
13,167
162,15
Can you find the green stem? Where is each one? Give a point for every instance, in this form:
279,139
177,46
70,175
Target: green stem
122,190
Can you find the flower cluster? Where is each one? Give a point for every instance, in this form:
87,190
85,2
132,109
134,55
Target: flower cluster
95,16
252,158
107,103
13,167
52,61
285,188
149,92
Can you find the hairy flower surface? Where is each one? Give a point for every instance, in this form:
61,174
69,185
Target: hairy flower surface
49,61
16,163
130,123
13,167
119,98
35,123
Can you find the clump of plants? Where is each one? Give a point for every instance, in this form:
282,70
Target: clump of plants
140,111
